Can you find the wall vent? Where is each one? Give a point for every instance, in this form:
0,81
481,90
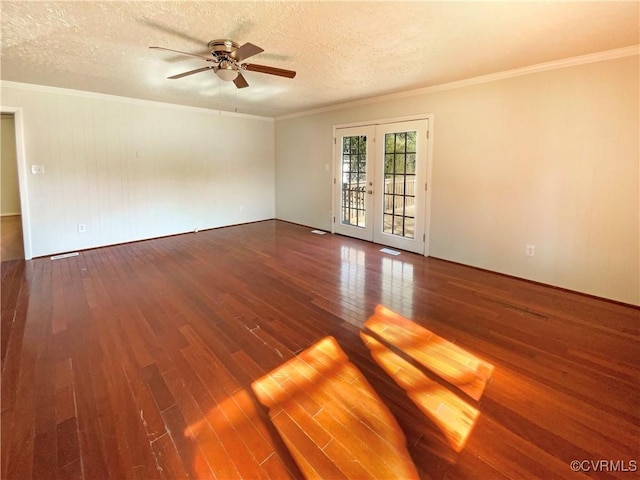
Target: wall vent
64,255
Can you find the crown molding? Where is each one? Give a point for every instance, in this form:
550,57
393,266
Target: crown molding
492,77
132,101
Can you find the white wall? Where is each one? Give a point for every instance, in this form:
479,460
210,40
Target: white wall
133,170
548,158
9,191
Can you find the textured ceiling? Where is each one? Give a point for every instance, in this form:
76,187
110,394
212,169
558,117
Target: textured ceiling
342,51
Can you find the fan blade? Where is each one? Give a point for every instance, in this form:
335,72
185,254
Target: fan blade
191,72
245,51
240,81
208,59
252,67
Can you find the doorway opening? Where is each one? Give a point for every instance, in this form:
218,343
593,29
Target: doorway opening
12,245
15,228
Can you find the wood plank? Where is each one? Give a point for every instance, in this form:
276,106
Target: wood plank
200,430
194,462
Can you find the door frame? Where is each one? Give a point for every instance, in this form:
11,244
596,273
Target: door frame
22,177
334,152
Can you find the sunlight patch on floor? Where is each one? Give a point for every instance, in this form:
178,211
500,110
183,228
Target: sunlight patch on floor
445,359
331,419
390,337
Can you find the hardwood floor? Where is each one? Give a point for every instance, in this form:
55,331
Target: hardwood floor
137,361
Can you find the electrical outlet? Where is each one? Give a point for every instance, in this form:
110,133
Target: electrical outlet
530,250
82,228
242,208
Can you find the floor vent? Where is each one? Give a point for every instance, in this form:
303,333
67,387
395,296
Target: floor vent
64,255
389,251
318,232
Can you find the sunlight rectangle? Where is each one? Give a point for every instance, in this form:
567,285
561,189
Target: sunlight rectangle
336,440
447,360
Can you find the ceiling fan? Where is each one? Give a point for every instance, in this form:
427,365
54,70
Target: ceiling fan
225,59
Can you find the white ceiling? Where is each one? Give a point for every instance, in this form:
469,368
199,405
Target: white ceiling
342,51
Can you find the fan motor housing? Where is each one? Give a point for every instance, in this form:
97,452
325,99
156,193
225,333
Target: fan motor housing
222,46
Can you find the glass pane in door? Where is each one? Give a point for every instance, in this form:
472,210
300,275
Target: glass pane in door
354,180
399,184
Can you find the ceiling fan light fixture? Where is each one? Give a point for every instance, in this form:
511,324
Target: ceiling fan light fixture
225,60
226,71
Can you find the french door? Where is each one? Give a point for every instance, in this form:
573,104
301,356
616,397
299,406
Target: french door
381,174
